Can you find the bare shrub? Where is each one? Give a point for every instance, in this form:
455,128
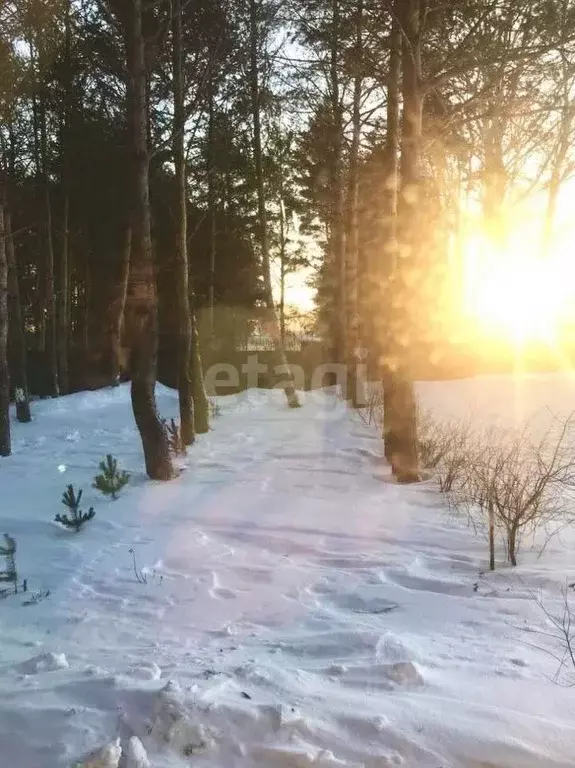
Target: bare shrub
561,631
372,414
443,445
514,484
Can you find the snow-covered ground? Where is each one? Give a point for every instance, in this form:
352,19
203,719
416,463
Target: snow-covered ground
299,608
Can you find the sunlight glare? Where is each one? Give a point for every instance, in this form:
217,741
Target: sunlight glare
517,294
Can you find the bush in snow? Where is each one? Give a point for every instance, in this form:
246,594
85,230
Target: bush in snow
560,628
515,485
440,442
111,480
76,519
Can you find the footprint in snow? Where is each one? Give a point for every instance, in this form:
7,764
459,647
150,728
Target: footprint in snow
222,593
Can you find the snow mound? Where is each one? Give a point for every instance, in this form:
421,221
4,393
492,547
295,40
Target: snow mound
104,757
147,670
136,755
175,725
403,673
45,662
301,756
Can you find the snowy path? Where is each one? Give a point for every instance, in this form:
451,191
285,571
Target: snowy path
312,612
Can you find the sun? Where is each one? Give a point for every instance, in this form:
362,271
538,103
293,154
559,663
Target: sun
514,294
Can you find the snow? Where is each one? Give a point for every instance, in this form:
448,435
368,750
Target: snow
299,608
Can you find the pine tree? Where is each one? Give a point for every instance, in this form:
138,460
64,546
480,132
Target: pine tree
111,480
77,518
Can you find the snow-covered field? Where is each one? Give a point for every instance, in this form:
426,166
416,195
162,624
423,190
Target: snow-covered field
299,608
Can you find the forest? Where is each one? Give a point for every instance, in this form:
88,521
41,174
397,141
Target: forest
162,161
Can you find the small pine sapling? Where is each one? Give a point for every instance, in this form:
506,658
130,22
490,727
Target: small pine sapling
111,480
174,437
77,518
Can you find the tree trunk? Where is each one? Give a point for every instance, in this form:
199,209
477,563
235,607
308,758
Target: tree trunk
86,299
63,311
117,309
355,387
40,314
5,445
491,539
212,210
512,545
201,402
283,262
181,271
282,368
141,298
338,198
16,328
384,270
51,344
401,402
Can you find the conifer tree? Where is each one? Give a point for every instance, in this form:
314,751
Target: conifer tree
111,480
76,519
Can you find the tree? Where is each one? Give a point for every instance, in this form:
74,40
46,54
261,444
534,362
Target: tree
5,446
181,254
282,367
44,178
141,299
62,298
355,393
400,403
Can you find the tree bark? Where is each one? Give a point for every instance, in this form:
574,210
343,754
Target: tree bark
212,208
201,402
387,267
401,437
40,314
51,339
283,262
63,310
5,444
338,201
141,297
512,545
181,272
282,367
16,328
117,308
355,389
491,539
